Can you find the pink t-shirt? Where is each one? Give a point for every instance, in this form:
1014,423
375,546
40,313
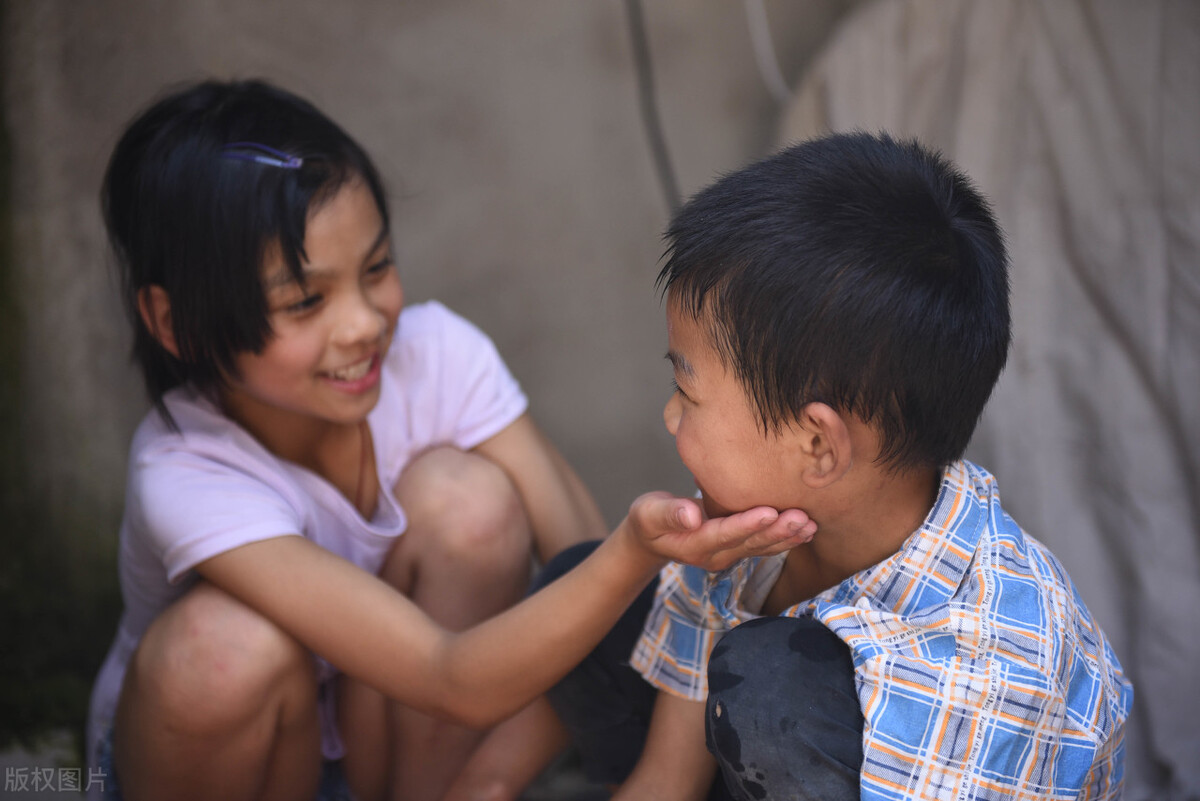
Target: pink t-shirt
210,487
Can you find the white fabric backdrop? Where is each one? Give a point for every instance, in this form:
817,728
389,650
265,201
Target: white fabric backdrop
1080,120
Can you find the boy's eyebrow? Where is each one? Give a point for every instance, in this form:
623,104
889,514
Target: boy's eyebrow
284,277
681,364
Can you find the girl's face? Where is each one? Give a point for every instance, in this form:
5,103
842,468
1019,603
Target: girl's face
323,361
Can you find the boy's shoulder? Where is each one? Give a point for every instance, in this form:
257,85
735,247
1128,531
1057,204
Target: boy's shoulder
976,604
971,580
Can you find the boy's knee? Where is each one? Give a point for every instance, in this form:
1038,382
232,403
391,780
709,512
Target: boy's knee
467,502
763,645
209,661
785,681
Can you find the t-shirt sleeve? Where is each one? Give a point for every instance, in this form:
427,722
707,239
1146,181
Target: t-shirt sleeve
478,397
189,508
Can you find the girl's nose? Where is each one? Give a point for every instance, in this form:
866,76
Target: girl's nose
361,322
671,413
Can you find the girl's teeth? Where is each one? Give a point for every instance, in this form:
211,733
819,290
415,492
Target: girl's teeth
354,372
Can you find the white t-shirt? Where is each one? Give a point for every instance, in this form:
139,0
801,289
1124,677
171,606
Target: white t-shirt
209,487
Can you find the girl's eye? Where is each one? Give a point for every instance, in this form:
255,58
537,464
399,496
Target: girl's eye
309,302
380,267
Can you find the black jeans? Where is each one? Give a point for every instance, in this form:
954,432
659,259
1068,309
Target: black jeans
783,719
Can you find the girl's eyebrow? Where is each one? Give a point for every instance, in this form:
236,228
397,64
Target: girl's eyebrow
283,277
384,233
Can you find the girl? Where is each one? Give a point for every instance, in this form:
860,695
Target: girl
303,422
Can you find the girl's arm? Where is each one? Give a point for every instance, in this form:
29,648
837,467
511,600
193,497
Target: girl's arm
560,508
482,675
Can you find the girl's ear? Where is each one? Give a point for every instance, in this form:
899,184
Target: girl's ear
155,307
825,442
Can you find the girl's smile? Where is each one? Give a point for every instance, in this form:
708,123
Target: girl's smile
357,378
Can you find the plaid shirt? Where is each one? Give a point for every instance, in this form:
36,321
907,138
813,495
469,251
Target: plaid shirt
980,672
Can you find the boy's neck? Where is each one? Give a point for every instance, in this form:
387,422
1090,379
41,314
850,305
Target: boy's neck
863,527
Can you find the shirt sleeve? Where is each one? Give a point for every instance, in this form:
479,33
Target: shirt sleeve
477,396
189,508
692,609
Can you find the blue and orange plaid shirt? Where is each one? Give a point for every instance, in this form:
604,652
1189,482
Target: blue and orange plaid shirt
980,672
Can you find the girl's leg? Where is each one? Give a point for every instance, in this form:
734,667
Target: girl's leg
783,718
464,558
218,703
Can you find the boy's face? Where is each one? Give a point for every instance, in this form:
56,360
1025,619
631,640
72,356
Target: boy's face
736,465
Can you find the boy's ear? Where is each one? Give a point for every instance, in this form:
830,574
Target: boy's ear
155,308
825,441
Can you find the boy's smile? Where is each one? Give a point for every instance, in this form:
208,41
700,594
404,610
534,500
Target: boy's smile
736,464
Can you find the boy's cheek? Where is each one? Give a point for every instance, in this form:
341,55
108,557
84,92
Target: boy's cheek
712,507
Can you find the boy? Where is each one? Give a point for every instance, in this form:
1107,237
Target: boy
837,316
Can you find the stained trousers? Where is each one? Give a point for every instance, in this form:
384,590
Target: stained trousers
782,716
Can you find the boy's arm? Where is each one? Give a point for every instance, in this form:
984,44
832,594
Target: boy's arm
488,672
560,508
675,764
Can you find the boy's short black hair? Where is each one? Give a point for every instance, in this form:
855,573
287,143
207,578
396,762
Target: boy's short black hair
183,215
856,270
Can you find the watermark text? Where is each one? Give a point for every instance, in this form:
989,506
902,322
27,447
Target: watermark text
63,780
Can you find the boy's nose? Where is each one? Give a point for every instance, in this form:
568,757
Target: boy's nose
671,413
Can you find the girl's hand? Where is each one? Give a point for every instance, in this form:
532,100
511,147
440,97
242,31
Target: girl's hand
676,529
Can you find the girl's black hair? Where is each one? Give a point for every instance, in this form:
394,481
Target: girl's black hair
186,213
859,271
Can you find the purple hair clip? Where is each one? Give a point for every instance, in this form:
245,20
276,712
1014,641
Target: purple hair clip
261,154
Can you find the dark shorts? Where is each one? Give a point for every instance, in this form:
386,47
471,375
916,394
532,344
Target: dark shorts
782,719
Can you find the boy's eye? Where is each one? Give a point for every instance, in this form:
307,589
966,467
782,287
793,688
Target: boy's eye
677,391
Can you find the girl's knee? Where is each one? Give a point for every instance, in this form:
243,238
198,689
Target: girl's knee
209,661
465,505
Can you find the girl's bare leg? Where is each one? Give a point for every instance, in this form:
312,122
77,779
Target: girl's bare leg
218,703
464,558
